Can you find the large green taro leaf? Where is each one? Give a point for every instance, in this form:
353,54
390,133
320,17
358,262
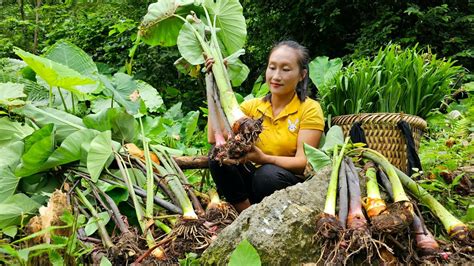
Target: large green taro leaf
9,183
125,91
38,147
12,130
150,96
70,149
75,58
231,22
10,94
14,208
159,26
55,74
11,154
72,56
321,69
99,155
189,45
122,124
65,123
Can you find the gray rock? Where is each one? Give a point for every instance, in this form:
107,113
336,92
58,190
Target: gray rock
281,227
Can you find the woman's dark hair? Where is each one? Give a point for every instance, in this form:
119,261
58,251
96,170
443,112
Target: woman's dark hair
303,60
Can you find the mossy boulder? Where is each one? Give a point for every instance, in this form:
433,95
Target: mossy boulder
281,227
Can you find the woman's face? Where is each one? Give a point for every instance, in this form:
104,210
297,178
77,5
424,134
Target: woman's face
283,72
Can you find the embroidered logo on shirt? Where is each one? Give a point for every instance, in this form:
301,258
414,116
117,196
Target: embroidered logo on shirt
292,125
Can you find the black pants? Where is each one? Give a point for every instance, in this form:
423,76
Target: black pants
244,181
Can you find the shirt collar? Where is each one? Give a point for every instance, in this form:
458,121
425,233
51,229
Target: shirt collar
266,108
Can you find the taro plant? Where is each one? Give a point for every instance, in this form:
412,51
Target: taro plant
212,29
396,80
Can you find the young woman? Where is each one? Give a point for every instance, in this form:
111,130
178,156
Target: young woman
290,119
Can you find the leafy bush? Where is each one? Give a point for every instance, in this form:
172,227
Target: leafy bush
395,80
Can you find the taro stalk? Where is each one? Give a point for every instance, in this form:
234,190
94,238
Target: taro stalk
426,243
220,33
327,222
398,215
358,236
189,234
373,203
456,229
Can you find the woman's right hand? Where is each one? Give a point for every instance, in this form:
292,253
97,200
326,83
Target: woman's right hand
208,64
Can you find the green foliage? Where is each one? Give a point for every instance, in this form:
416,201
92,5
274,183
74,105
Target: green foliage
395,80
447,156
62,250
16,209
245,254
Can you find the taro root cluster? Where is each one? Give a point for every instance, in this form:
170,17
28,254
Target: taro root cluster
369,228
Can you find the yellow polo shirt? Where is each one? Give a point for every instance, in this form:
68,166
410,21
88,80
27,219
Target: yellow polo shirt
280,134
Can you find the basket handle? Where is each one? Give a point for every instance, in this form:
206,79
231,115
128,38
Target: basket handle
412,155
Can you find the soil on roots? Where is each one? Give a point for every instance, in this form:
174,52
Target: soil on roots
245,133
188,236
129,247
328,227
361,245
220,216
394,219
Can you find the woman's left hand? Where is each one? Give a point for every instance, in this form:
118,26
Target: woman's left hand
256,155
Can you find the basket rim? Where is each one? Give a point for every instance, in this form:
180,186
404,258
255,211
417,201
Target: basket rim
380,117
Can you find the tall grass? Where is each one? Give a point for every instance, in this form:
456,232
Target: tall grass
395,80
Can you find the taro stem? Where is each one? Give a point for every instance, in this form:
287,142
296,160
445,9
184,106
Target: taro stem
400,214
104,235
425,241
175,185
343,196
212,112
327,223
373,203
356,219
456,229
138,208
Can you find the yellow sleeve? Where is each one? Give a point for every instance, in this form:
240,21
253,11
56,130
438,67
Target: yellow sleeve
312,116
247,107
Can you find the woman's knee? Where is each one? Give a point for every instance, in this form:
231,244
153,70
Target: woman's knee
269,178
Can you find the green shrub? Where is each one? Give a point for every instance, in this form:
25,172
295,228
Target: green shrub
396,80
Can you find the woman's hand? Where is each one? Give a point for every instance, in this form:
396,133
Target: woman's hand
210,62
257,156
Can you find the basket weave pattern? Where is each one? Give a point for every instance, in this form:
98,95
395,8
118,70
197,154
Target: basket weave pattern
383,135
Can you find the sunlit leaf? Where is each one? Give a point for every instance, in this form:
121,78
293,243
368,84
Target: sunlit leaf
55,74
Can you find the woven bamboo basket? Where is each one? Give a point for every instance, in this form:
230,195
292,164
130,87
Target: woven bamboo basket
383,135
